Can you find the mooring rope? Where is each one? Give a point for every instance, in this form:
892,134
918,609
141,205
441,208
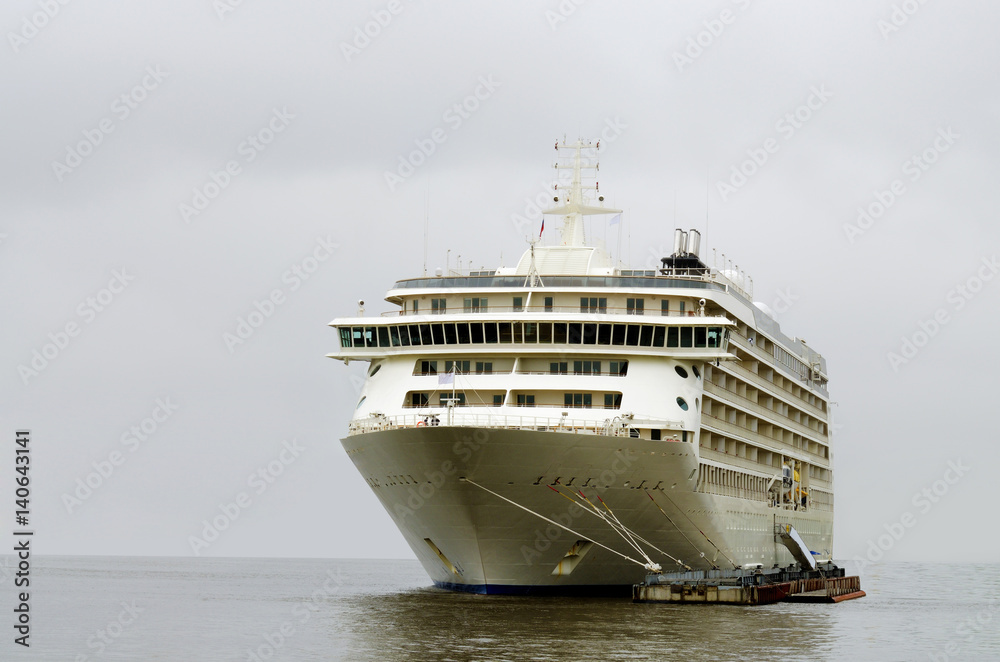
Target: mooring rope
699,530
575,533
714,567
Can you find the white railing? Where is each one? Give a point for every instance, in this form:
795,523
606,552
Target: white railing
620,426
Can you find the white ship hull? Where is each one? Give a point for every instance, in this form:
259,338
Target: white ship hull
469,539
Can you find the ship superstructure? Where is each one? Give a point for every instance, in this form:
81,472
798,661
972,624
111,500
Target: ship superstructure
567,425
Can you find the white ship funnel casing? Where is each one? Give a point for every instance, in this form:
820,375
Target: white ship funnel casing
679,242
693,242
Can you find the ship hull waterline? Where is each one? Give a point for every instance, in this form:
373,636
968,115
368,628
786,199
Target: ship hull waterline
471,540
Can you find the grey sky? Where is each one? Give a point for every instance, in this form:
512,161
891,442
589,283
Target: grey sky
207,84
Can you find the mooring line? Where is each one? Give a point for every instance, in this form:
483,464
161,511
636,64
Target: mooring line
699,530
575,533
714,567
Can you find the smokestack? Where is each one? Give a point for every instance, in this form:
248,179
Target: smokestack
679,241
693,241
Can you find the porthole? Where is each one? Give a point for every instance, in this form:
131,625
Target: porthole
375,368
694,369
681,371
365,397
682,404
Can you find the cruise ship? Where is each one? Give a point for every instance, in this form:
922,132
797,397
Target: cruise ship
567,425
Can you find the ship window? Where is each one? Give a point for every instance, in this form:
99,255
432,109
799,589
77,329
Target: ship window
449,334
414,334
530,332
634,306
578,399
699,336
484,367
632,337
672,336
684,435
524,400
416,306
602,305
497,399
375,368
618,368
593,305
370,339
476,329
383,336
438,306
518,337
714,335
575,333
394,335
694,369
655,435
428,367
658,334
438,333
604,334
518,304
559,332
490,332
505,333
681,305
462,331
646,336
665,307
361,401
548,304
345,336
618,337
359,336
682,404
585,304
558,368
425,334
681,371
686,336
589,334
461,367
418,399
545,332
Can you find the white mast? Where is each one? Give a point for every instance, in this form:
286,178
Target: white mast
575,203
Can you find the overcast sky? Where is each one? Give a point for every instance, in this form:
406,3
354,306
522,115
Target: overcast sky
168,166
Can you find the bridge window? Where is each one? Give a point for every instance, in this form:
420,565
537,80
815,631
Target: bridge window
559,333
425,334
632,336
505,332
646,336
658,333
604,334
673,335
490,332
370,339
575,333
545,332
383,336
438,333
450,337
714,336
345,336
618,335
686,335
476,332
530,332
589,334
699,336
462,331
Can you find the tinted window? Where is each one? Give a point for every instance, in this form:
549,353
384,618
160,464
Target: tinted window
604,334
672,337
632,338
618,336
686,336
476,332
575,333
490,332
658,334
450,336
559,332
462,333
589,334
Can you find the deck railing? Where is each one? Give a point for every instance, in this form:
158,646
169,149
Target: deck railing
613,427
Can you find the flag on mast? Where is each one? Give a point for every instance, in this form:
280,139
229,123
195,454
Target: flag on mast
615,219
543,228
446,377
